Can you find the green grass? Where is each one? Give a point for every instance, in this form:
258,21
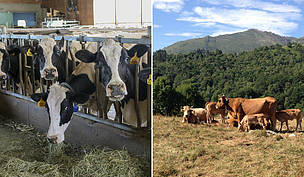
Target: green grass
219,150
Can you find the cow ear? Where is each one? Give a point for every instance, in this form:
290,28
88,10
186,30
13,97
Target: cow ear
3,51
144,74
26,49
227,100
61,43
86,56
140,49
38,96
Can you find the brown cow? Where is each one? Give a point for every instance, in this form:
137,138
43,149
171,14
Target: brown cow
242,106
212,111
289,114
258,120
232,120
194,115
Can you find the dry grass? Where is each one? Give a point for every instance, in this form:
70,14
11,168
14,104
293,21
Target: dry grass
218,150
25,152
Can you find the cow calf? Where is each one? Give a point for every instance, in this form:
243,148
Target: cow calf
256,120
289,114
194,115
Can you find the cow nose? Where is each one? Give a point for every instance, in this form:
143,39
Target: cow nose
50,73
52,140
116,90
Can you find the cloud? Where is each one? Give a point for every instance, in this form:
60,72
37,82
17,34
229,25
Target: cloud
169,5
156,26
242,18
298,1
256,4
223,32
187,34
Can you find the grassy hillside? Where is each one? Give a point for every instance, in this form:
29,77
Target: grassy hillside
218,150
231,43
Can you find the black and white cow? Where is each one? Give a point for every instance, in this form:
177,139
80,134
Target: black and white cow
62,96
51,58
9,62
2,71
118,77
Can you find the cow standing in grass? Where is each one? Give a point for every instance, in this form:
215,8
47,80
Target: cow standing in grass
289,114
242,106
212,111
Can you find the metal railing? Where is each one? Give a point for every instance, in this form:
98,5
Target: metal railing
25,70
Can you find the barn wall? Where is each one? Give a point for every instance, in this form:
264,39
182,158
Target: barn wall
81,130
23,8
60,5
6,18
86,14
21,1
131,13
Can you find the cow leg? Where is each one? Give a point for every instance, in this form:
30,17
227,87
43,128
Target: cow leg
281,126
287,125
297,124
273,122
239,117
223,118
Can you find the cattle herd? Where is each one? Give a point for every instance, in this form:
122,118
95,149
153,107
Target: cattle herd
246,114
49,59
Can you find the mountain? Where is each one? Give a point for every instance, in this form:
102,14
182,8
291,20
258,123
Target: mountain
230,43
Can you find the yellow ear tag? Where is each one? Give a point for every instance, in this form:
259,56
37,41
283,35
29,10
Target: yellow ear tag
41,103
149,80
134,60
29,53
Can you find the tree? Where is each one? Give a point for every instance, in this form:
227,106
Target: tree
166,100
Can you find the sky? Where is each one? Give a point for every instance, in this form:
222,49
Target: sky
178,20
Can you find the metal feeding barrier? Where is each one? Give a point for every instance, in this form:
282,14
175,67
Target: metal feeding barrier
28,84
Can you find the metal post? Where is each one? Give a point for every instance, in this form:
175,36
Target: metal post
70,51
115,13
20,73
67,62
149,88
97,83
137,95
149,93
33,69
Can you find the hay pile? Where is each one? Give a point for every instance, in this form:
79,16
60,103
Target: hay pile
25,152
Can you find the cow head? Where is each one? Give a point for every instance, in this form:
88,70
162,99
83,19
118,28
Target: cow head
188,112
222,102
117,75
59,103
48,53
6,56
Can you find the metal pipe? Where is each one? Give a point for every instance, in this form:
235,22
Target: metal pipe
137,95
20,73
67,62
